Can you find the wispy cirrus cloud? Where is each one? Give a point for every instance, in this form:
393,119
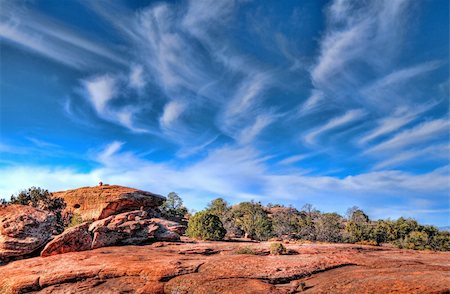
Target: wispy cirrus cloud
414,136
52,39
211,176
358,35
334,123
100,91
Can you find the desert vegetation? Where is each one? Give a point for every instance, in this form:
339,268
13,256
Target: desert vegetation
255,221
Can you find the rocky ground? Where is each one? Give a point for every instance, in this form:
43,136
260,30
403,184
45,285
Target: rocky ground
215,267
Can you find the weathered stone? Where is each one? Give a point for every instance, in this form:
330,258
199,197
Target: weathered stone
129,228
318,268
94,203
74,239
122,229
170,225
23,230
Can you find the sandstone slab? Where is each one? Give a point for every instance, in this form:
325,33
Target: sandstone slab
94,203
317,268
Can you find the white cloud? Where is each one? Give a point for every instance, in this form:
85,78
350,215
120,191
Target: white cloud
136,79
418,155
401,117
293,159
234,173
249,133
369,35
414,136
312,102
172,111
101,90
334,123
52,38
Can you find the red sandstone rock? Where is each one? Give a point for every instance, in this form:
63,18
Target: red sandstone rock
320,268
74,239
94,203
129,228
23,229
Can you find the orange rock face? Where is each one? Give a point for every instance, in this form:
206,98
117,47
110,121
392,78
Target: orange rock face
23,229
94,203
128,228
215,267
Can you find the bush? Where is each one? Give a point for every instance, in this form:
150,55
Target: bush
246,250
205,226
277,249
75,220
252,219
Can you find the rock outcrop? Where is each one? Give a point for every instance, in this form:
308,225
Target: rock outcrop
128,228
23,230
190,268
94,203
74,239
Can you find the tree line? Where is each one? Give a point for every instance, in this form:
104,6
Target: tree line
253,220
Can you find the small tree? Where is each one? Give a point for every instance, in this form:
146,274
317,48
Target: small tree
404,226
42,199
328,227
173,206
205,226
253,220
358,226
220,208
285,220
307,222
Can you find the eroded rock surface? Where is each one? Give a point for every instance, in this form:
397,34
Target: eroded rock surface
160,268
128,228
94,203
23,229
74,239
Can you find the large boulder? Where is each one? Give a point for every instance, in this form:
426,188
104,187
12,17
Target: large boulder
23,230
129,228
123,229
77,238
94,203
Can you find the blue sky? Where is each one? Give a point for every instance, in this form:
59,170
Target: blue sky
334,103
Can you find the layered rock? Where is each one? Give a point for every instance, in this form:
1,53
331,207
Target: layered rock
129,228
94,203
23,230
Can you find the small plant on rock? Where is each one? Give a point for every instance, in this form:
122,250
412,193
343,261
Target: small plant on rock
277,249
75,220
246,250
205,226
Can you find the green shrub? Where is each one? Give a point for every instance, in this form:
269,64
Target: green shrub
246,250
253,220
205,226
75,220
277,249
173,207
